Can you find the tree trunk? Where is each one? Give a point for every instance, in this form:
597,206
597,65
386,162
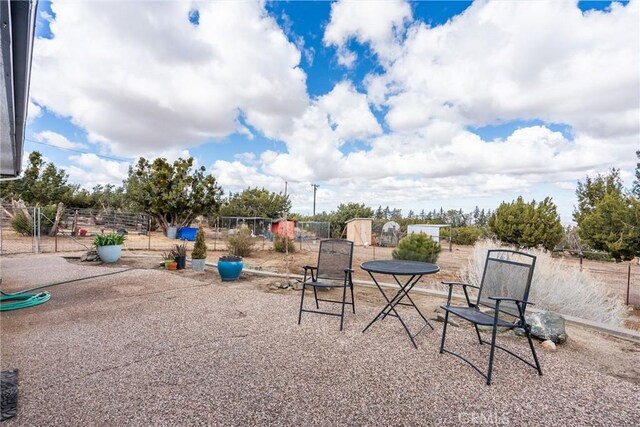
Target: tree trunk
59,212
20,205
6,212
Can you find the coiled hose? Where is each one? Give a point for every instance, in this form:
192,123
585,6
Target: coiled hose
24,299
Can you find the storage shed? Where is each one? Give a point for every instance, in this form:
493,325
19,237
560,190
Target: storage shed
281,226
359,231
432,230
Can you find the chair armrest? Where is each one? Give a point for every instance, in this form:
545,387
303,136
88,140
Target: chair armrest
510,299
460,284
464,288
348,270
309,267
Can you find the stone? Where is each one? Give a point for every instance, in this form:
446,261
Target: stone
89,256
545,326
548,345
295,284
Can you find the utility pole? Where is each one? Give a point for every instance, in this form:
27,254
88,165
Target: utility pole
315,188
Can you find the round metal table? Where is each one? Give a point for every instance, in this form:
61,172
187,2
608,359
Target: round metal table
395,268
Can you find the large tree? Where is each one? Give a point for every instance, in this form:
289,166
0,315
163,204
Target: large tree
528,224
636,182
593,190
42,184
608,218
173,193
254,202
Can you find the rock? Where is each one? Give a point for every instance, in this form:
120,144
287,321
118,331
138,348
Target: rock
545,326
296,285
548,345
89,256
440,318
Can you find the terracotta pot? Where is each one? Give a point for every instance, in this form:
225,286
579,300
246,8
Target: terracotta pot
172,265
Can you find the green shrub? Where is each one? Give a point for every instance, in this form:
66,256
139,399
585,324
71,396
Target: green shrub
464,235
21,224
199,247
241,243
417,247
48,215
597,256
283,243
109,239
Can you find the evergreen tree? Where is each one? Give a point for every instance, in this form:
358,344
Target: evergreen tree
527,224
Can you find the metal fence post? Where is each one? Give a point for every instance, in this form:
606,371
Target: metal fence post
628,281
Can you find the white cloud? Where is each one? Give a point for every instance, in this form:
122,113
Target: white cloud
143,79
33,112
57,140
501,61
90,170
381,24
314,143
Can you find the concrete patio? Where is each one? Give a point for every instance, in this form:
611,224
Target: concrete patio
147,347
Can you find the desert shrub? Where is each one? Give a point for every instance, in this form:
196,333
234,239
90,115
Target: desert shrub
283,243
464,235
241,243
417,247
557,286
21,224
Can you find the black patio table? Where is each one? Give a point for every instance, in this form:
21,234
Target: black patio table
396,268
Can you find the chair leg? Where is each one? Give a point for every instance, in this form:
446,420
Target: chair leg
444,331
315,294
478,333
344,296
491,354
301,302
533,350
353,301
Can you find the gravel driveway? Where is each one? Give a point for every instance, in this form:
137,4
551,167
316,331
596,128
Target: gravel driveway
147,347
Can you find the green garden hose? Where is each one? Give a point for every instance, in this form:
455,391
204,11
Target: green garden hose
23,300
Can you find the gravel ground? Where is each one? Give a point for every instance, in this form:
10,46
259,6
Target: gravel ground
147,347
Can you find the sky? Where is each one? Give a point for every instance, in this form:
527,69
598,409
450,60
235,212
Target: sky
411,105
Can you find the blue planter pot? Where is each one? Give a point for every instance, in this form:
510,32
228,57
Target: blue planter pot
110,253
229,270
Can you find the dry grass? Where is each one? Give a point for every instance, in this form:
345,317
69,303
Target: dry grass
558,287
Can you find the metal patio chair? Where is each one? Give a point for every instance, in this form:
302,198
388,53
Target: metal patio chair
333,271
501,303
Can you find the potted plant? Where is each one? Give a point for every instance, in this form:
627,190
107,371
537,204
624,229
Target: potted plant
179,253
199,253
229,267
109,246
169,263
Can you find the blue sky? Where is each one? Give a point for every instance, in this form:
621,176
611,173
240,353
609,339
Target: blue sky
414,105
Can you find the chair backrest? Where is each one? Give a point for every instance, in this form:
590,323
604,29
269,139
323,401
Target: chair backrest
334,256
506,274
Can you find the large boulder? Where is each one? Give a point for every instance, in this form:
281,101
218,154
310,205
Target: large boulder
545,326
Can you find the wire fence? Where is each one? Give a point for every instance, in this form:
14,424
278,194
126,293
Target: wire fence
77,229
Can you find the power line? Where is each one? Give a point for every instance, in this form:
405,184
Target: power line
119,159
